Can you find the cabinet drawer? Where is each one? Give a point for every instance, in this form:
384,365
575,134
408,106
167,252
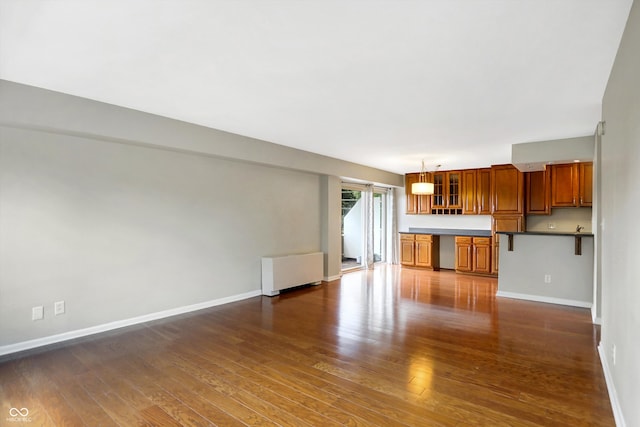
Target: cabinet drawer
463,240
424,237
407,237
484,241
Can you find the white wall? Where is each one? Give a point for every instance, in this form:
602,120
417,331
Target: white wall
530,156
123,214
523,270
564,219
119,231
620,202
29,107
448,252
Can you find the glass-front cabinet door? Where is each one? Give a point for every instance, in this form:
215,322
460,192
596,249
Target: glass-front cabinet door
438,200
454,199
446,191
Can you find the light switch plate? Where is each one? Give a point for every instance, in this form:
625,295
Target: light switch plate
37,313
58,308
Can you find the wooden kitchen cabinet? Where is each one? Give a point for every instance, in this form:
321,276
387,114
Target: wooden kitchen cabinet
507,190
585,184
427,251
407,249
447,191
482,255
465,192
469,192
476,191
538,192
463,258
473,254
420,250
564,185
483,191
502,223
571,185
411,199
439,198
416,204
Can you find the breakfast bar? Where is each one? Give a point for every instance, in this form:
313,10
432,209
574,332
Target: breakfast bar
547,267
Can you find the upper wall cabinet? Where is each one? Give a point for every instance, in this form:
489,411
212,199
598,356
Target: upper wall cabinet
465,192
571,185
564,185
483,191
416,204
447,187
585,184
538,192
469,191
476,191
507,190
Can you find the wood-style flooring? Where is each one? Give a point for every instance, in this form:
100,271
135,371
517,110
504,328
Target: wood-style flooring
389,347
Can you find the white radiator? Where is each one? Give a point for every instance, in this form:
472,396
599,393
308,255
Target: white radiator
287,271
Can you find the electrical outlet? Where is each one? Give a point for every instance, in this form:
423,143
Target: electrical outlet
613,354
547,278
58,308
37,313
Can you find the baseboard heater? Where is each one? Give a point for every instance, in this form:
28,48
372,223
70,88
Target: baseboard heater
288,271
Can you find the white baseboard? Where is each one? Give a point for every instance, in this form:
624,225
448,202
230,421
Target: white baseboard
550,300
79,333
613,396
594,318
331,278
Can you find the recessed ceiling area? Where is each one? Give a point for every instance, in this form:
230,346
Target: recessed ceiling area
381,83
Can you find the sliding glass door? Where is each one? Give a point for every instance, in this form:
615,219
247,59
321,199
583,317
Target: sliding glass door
363,226
352,228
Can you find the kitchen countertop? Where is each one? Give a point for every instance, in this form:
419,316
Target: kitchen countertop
546,233
448,232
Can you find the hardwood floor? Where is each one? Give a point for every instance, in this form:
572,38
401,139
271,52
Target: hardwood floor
392,347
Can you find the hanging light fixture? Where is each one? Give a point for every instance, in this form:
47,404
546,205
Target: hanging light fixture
422,187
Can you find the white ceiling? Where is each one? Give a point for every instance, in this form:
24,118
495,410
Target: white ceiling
384,83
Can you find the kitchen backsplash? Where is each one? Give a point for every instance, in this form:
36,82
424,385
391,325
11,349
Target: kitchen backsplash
563,220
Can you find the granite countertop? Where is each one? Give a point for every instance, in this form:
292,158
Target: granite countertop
546,233
448,232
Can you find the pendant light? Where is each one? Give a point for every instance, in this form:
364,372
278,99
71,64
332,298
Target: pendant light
422,188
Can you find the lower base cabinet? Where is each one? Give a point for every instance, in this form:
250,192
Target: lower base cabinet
407,249
473,254
503,223
482,255
420,250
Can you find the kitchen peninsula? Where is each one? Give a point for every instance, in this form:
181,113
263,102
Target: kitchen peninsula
547,267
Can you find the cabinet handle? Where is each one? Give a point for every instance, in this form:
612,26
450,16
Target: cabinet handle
580,200
574,200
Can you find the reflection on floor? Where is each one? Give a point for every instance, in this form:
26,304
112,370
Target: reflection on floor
350,263
382,347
